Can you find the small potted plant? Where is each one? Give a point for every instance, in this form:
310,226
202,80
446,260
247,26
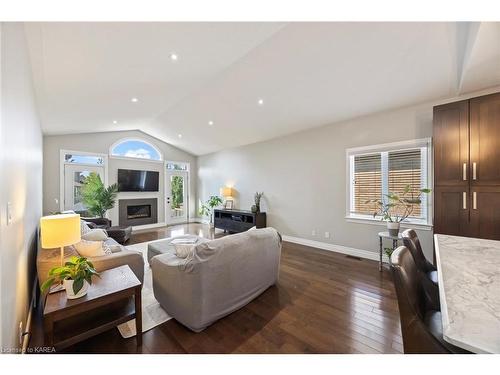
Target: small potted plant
207,208
256,207
396,208
76,276
388,251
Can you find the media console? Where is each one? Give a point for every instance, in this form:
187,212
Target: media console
236,221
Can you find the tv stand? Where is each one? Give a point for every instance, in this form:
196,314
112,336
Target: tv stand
235,221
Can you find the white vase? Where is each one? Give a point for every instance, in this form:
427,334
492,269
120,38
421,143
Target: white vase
70,294
393,228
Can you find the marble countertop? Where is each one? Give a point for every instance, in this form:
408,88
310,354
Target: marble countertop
469,288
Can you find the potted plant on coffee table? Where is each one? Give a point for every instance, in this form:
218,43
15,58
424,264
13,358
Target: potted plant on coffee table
207,209
395,208
76,276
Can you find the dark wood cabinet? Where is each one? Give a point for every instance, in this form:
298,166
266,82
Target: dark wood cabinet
467,168
485,140
451,213
485,212
451,144
236,221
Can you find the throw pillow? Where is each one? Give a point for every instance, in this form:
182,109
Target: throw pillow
183,250
115,248
90,248
95,235
106,248
91,225
84,229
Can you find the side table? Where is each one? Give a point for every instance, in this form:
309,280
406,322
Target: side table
112,299
395,239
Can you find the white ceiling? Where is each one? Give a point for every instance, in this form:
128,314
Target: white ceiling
308,74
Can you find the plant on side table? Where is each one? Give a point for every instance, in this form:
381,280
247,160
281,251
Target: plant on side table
96,197
76,276
388,251
207,209
396,208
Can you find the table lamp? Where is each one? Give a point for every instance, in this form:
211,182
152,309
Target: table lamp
227,192
59,231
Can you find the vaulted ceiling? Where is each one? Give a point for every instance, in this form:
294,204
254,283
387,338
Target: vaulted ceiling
306,74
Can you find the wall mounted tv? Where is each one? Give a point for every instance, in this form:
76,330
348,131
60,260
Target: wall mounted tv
133,180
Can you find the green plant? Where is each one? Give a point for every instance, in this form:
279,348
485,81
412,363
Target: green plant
177,191
77,269
257,198
206,209
396,208
388,251
97,198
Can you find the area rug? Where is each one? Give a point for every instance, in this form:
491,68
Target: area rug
152,313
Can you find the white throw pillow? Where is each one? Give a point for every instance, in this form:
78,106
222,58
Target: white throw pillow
114,248
183,250
95,235
84,228
90,248
107,249
253,228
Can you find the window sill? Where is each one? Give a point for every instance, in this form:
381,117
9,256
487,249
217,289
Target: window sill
407,224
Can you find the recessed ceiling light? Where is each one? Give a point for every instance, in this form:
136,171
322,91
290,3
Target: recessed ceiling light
115,122
179,135
260,101
134,100
174,57
210,123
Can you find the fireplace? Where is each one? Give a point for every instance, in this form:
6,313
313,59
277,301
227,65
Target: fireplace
132,212
138,211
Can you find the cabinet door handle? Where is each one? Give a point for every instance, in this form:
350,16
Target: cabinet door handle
474,201
464,173
474,171
464,200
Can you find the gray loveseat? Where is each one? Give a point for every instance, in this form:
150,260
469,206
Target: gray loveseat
219,277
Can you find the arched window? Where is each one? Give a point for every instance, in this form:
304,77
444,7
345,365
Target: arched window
135,148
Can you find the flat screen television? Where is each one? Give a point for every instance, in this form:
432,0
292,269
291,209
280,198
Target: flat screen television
134,180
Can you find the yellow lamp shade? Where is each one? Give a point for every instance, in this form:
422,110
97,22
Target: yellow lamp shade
60,230
226,191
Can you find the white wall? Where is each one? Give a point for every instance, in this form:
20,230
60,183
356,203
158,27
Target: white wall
21,185
303,175
100,143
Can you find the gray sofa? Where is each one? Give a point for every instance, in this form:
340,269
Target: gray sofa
49,258
219,277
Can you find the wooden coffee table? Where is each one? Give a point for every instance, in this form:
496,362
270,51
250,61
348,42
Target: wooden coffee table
112,299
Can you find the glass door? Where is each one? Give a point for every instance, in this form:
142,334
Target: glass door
74,177
176,197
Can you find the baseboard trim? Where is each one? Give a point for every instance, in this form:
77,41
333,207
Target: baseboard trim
366,254
26,335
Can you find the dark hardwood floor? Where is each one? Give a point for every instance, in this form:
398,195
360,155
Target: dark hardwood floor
324,302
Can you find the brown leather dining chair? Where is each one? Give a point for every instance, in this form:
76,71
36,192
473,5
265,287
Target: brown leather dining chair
430,281
421,327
